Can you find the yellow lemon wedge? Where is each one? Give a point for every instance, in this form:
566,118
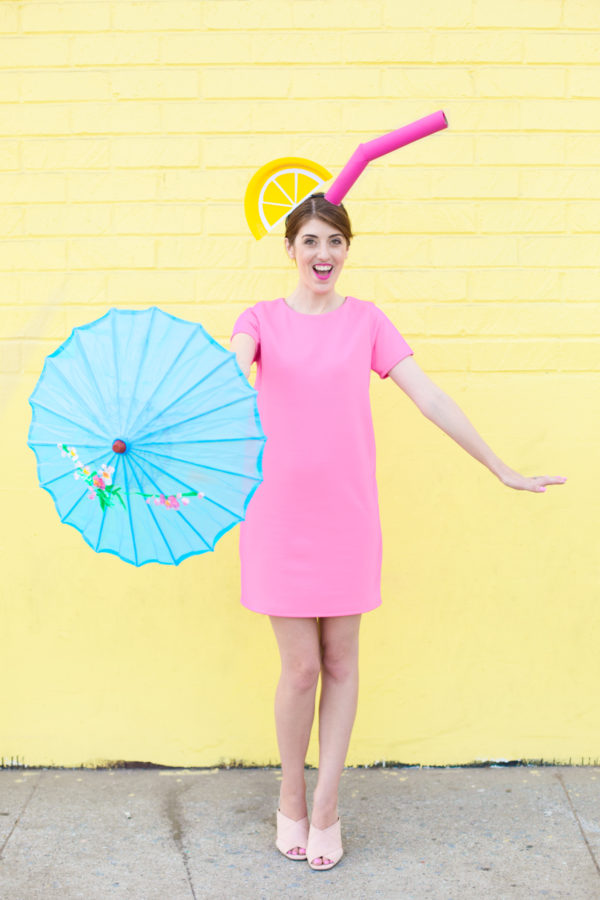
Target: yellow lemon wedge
279,187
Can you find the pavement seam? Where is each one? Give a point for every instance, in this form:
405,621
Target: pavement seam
18,819
173,814
580,826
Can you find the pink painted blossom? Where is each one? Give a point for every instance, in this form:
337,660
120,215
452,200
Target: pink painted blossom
98,482
172,503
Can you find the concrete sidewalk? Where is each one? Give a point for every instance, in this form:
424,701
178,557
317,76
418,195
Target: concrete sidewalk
173,834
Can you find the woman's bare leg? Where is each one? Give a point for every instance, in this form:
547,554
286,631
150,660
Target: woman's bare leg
337,711
298,641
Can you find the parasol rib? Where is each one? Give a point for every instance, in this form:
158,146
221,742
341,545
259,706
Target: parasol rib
206,497
91,377
149,506
72,391
189,462
180,422
102,437
185,393
70,473
131,528
159,385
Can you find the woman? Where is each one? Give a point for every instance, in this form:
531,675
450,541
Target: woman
310,545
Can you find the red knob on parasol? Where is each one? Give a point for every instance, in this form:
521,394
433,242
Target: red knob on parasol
119,446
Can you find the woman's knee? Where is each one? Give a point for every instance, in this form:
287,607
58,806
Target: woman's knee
339,656
339,646
298,640
301,673
340,661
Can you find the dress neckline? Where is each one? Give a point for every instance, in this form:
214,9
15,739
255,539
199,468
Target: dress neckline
315,315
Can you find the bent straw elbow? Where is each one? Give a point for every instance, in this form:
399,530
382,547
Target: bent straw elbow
354,167
380,146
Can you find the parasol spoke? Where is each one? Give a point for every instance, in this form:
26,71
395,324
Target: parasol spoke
71,473
72,391
64,517
93,381
185,393
133,456
219,440
195,530
129,515
204,498
179,513
159,383
79,444
143,437
189,462
149,507
102,521
102,437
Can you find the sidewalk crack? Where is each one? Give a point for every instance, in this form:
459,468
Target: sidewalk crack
580,826
20,815
172,809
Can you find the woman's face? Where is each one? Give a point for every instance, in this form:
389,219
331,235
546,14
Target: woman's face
318,246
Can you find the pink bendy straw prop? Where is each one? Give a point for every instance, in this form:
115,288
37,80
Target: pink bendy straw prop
380,146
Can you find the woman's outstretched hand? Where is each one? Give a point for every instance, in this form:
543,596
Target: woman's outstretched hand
536,483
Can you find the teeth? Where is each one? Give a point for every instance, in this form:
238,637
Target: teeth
323,268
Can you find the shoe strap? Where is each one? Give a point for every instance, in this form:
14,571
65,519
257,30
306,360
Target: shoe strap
291,833
324,841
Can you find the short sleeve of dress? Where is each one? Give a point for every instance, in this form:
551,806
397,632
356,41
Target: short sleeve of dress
248,323
388,345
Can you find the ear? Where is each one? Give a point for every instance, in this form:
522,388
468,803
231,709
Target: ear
289,249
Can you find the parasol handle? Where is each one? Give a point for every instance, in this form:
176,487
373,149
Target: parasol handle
380,146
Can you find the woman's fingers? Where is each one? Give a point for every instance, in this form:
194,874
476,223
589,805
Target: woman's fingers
542,480
536,483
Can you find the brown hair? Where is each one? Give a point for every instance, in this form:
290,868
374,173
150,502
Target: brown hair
317,207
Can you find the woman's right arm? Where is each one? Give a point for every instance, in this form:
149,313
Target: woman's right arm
244,347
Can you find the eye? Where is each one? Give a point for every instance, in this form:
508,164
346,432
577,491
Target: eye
337,241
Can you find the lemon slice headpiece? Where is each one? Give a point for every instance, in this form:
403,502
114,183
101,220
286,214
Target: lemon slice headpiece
277,188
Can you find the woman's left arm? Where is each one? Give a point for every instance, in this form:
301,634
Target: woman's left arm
441,409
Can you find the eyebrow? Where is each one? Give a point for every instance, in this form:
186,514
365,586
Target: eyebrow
335,234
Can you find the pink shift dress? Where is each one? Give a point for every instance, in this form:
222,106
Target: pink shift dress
310,544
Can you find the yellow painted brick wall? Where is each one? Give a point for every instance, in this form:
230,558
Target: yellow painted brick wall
129,131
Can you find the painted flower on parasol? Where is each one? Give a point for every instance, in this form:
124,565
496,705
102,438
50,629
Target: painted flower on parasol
147,435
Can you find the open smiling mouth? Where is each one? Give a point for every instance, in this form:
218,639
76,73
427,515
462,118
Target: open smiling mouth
322,272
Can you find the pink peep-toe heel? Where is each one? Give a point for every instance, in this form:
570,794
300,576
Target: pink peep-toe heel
291,833
325,842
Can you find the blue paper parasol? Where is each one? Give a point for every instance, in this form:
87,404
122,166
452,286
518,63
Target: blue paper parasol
147,435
